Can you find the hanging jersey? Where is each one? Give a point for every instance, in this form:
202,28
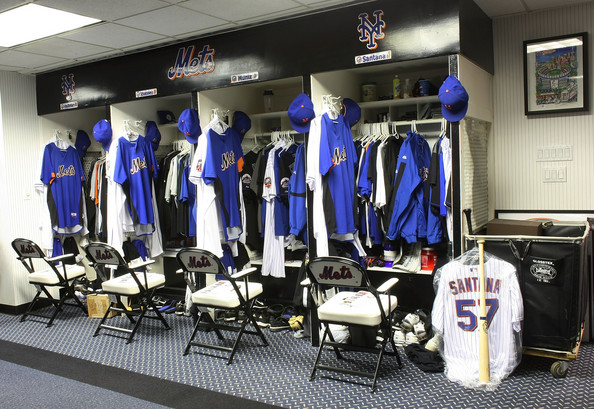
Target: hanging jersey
221,167
338,157
409,217
456,316
135,168
297,209
63,173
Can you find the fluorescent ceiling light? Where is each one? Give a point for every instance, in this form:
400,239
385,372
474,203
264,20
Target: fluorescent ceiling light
31,22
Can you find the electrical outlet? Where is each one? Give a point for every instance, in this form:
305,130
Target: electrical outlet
555,174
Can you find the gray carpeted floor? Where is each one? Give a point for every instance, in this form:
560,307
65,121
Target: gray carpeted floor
278,374
24,387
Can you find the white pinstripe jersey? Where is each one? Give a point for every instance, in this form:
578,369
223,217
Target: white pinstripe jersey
456,316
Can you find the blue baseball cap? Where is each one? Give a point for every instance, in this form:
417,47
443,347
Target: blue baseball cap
82,143
152,134
241,123
454,99
300,113
102,133
189,124
352,111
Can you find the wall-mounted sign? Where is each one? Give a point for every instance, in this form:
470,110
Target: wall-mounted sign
375,57
248,76
146,93
186,64
68,86
69,105
371,32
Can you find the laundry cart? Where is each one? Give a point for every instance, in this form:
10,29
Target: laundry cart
553,271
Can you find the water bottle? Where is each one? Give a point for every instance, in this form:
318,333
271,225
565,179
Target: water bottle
396,87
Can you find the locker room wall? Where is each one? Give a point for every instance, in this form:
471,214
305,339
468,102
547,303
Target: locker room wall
516,176
19,152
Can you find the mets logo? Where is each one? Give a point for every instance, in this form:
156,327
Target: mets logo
186,64
68,85
284,183
246,179
370,32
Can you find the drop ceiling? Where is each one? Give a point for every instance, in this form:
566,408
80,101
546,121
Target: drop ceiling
129,26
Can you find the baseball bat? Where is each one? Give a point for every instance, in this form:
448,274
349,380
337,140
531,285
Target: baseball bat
484,364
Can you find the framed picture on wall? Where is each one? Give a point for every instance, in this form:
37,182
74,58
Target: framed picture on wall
556,74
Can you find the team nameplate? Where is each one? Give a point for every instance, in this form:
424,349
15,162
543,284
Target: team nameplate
69,105
375,57
146,93
248,76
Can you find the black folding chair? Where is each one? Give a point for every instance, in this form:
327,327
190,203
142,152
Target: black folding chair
356,304
234,293
58,274
131,281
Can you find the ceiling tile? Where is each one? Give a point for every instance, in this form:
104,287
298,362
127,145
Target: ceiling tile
229,9
501,7
172,20
9,4
28,60
205,32
112,35
63,48
107,10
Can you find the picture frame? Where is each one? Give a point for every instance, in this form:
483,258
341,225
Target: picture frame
556,74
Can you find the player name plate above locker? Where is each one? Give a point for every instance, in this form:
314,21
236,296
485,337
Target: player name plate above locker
146,93
248,76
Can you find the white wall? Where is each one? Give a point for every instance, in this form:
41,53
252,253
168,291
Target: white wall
515,174
19,153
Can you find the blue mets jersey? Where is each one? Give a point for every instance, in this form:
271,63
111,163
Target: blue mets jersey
222,165
63,173
135,169
338,158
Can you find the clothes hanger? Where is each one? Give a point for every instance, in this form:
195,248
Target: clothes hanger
130,133
331,105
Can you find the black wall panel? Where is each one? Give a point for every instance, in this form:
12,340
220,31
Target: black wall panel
300,46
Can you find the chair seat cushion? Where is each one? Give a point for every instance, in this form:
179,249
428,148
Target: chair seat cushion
357,308
222,294
126,285
49,277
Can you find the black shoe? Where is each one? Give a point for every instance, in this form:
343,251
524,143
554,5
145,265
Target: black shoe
259,305
180,308
263,319
230,315
279,324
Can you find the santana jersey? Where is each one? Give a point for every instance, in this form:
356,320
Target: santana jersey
456,316
62,171
222,164
135,168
